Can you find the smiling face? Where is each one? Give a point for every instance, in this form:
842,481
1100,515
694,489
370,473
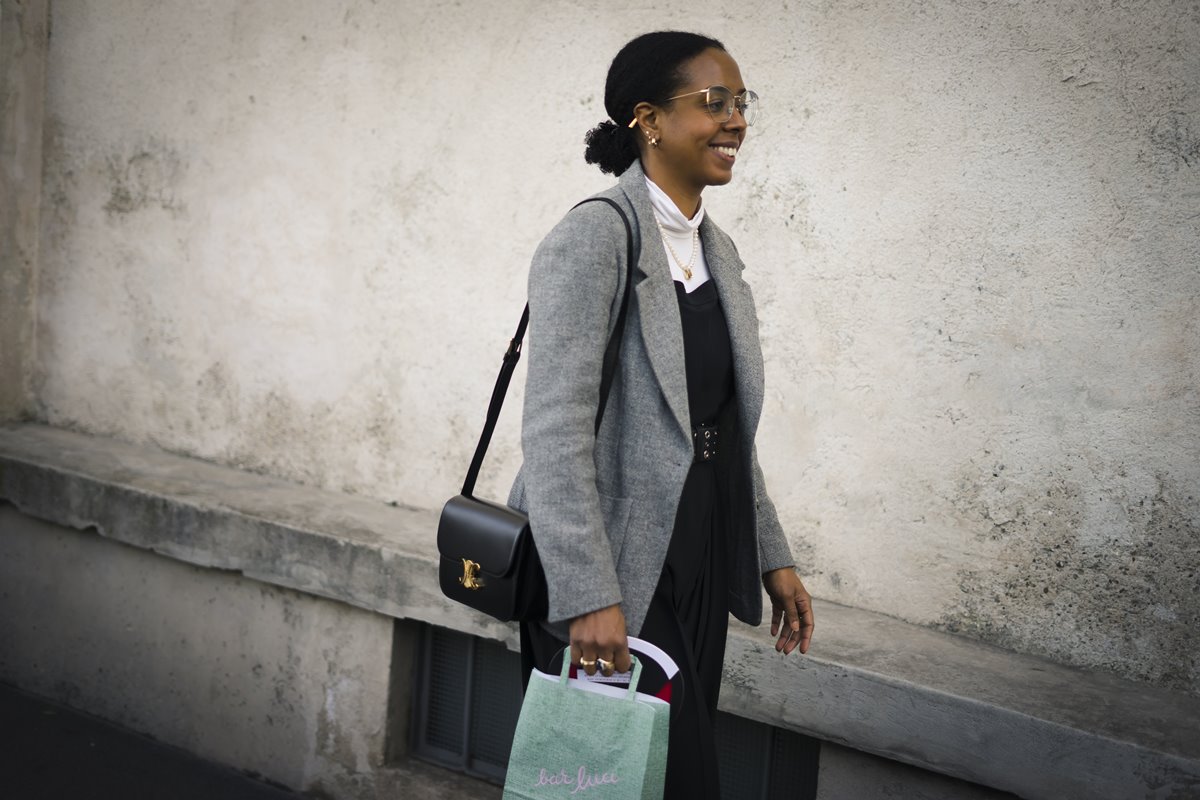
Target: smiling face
695,150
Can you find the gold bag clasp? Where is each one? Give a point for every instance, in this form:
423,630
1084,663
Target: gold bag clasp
470,576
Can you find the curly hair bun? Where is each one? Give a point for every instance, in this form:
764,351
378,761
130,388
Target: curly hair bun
610,147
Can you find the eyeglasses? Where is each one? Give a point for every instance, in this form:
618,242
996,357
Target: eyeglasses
719,102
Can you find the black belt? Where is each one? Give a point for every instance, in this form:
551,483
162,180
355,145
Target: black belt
705,441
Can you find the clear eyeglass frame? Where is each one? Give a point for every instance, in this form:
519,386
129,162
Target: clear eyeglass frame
720,101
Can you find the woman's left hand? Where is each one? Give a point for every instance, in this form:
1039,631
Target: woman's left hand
791,604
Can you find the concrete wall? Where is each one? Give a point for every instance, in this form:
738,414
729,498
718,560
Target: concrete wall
285,685
292,237
847,773
22,91
939,702
278,683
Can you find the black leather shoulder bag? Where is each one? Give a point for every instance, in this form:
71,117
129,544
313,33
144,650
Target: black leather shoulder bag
488,560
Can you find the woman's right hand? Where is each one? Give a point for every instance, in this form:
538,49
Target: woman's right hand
600,634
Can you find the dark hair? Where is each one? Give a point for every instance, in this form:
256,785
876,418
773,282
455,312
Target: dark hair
647,69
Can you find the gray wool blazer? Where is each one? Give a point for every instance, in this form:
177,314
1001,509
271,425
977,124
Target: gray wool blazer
602,508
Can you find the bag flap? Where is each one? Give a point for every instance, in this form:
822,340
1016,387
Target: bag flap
487,533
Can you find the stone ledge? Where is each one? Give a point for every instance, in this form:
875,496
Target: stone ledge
940,702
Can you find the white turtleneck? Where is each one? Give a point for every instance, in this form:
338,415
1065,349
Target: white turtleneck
679,230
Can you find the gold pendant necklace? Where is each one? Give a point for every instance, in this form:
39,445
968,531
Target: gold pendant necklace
687,268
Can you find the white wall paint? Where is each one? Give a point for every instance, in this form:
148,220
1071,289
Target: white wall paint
293,237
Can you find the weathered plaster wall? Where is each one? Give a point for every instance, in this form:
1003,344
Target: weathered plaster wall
22,90
293,238
283,684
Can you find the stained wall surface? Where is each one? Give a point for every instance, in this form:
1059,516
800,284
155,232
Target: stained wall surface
278,683
22,91
293,238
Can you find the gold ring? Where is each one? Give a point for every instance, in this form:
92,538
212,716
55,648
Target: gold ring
606,667
583,662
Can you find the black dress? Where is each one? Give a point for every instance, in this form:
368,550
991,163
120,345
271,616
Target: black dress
689,612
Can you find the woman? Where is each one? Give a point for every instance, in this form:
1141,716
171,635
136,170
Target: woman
658,525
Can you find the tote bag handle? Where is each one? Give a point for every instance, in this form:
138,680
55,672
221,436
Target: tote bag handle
633,680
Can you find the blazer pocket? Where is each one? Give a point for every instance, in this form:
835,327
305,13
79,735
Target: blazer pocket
616,512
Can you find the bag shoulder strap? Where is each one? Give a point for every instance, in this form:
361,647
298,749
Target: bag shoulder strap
513,354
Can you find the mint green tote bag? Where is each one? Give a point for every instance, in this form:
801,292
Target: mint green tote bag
576,739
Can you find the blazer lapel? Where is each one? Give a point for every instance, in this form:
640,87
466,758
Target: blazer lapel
726,267
658,311
658,308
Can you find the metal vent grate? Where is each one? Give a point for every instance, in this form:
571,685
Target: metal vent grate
795,762
446,698
762,762
468,696
742,746
495,703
